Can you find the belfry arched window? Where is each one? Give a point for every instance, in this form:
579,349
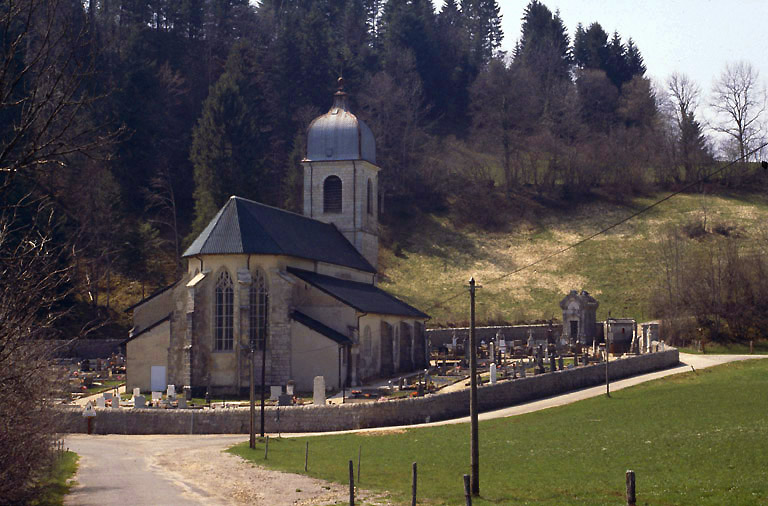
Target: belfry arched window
224,310
258,309
332,195
369,199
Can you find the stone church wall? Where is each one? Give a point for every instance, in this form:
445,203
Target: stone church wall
356,416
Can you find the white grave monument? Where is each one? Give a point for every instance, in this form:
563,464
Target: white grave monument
136,391
171,392
318,396
493,374
116,401
101,402
274,392
156,396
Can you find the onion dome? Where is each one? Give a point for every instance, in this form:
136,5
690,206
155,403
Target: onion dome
339,134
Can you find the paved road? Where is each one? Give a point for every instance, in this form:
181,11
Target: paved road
123,469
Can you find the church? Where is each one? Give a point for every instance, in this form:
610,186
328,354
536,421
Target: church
300,289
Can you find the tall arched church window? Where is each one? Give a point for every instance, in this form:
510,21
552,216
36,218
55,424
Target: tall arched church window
332,195
257,311
369,200
224,310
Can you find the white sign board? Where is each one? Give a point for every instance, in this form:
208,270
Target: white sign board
89,412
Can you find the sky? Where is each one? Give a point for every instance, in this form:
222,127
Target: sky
694,37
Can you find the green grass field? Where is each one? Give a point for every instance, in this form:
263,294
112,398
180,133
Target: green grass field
696,438
437,258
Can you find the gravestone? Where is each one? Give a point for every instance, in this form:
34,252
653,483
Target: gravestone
491,352
318,394
107,395
552,366
284,400
101,402
116,401
156,396
275,392
560,362
138,401
289,387
522,372
182,404
493,374
171,391
136,391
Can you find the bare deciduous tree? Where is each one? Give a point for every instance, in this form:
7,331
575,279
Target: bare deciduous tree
739,98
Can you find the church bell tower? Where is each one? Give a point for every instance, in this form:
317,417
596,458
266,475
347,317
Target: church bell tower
341,181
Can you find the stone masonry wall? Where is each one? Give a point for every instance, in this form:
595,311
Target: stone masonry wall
356,416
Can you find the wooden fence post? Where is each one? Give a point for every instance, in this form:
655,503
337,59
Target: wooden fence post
631,499
467,491
351,483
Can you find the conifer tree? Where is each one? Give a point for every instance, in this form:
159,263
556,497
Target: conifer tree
231,139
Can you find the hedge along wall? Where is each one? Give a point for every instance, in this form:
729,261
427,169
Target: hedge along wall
357,416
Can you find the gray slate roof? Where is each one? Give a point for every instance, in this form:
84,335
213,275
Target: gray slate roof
362,296
243,226
320,328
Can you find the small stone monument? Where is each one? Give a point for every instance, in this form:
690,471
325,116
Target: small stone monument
171,391
491,351
560,362
107,395
138,401
182,404
289,387
275,392
116,401
101,402
493,374
136,391
522,371
156,396
318,396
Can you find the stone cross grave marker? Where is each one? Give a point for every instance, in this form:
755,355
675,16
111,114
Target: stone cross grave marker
318,396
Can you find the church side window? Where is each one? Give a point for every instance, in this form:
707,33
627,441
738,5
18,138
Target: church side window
223,320
257,311
332,195
369,200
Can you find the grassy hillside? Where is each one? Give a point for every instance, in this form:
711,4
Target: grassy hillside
433,259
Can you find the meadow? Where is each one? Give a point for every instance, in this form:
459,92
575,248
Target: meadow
693,438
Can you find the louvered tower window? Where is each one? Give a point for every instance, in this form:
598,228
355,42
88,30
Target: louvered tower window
332,195
223,320
258,307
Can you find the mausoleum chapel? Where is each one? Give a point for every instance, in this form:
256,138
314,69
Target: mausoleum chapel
301,289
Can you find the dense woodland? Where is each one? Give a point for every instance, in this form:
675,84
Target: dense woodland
133,121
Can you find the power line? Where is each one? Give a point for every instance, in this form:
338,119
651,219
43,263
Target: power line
610,227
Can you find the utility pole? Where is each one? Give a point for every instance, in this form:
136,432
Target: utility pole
263,375
253,398
474,449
